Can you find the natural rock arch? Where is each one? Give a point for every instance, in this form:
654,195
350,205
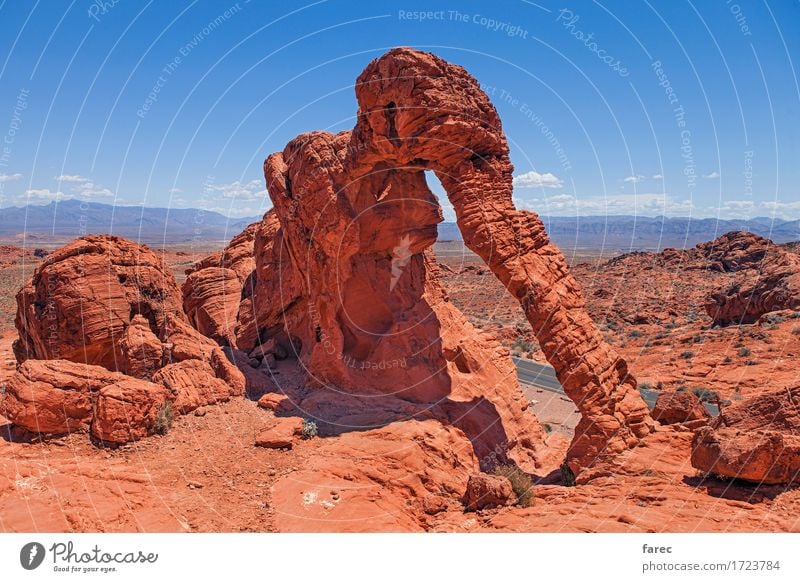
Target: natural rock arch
417,112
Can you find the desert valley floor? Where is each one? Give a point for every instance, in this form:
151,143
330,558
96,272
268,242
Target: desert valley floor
207,475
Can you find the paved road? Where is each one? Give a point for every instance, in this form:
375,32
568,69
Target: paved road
544,376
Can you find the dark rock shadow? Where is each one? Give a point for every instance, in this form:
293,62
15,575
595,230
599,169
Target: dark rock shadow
736,489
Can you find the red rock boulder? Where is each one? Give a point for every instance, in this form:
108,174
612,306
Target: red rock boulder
488,491
756,440
55,397
679,407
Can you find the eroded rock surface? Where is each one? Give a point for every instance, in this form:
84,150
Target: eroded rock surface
55,397
678,407
768,278
106,303
346,281
755,440
216,288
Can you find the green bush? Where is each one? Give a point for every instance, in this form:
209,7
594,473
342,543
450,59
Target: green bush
744,352
164,417
521,483
687,355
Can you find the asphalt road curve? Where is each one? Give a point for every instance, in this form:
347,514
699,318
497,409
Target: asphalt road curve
544,376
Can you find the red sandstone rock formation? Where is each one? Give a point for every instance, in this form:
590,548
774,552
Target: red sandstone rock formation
218,286
767,278
348,283
83,296
678,407
111,304
757,440
54,397
487,491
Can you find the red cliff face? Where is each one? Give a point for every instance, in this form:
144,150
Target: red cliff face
348,283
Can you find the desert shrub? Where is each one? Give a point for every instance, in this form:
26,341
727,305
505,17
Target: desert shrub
309,430
687,355
727,360
698,339
796,330
644,386
773,318
567,476
705,394
547,428
744,352
521,345
164,417
635,333
521,483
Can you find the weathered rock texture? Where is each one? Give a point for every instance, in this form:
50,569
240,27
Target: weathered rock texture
106,303
755,440
54,397
487,491
218,286
346,281
679,407
767,278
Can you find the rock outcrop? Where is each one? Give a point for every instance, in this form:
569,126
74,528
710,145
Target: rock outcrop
755,440
488,491
679,407
83,296
54,397
767,278
218,286
106,303
346,280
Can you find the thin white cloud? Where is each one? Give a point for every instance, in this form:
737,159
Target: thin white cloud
252,190
43,194
655,204
711,176
91,190
174,191
72,178
633,179
83,187
658,177
537,180
10,177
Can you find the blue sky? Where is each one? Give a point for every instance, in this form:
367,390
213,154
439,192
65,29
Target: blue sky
678,108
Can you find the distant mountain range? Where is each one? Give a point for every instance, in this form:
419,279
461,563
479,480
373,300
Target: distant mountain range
66,220
56,222
642,232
